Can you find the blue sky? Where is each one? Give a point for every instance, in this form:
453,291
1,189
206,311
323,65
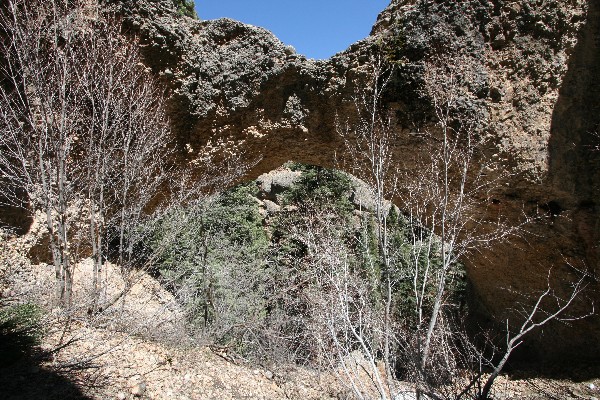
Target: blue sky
316,28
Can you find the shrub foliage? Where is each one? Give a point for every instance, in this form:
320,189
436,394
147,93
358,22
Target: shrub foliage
20,331
256,283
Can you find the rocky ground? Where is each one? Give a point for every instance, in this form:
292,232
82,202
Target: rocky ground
139,348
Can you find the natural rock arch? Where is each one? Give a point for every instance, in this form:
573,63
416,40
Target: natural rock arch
238,86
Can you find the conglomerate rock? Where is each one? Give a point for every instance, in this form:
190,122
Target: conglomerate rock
536,90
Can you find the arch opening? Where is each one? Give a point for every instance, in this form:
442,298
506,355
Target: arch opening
275,253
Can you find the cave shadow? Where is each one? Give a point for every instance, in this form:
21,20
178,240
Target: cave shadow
15,218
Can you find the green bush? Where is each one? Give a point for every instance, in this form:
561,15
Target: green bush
252,283
412,251
20,331
321,187
210,255
186,7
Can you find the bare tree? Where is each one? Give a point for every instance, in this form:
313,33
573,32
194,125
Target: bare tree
127,143
343,320
443,198
488,359
442,191
369,141
84,130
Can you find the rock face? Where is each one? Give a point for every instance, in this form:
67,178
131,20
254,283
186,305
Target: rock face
537,90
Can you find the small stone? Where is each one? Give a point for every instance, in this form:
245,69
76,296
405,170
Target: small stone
139,389
499,41
592,386
289,50
121,396
268,375
272,208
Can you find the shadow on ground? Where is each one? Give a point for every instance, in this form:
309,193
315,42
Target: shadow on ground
23,371
26,379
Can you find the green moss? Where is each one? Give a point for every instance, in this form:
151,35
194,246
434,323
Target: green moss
393,47
186,7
